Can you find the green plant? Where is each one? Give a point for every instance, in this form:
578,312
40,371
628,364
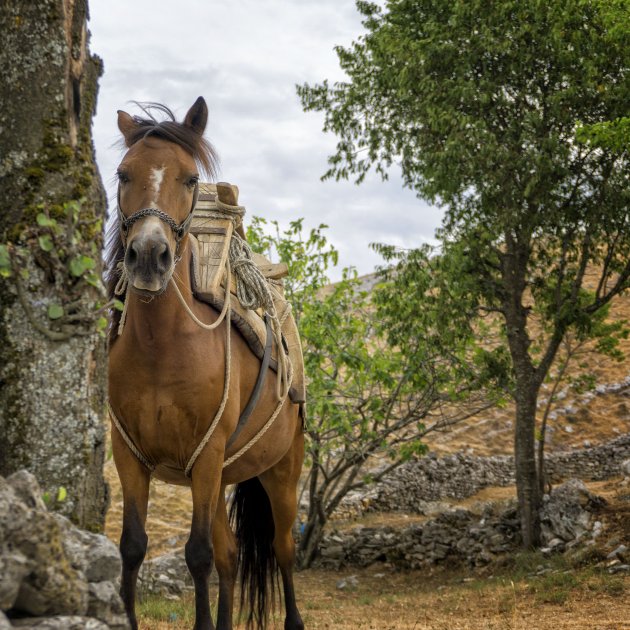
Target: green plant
63,247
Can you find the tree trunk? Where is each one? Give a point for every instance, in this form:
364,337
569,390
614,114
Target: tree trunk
52,377
527,385
527,485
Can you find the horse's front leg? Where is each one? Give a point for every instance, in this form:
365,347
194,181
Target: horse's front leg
206,486
134,479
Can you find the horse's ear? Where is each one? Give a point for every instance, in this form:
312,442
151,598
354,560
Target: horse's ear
197,116
127,126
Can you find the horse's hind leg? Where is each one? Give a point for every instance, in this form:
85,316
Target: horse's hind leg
280,483
134,479
224,546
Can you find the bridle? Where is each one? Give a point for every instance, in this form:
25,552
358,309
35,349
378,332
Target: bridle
179,229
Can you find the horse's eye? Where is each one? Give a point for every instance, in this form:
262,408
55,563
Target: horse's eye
192,181
123,178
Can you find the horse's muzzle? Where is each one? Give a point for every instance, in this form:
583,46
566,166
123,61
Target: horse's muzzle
149,263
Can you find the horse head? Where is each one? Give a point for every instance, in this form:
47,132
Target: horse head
157,191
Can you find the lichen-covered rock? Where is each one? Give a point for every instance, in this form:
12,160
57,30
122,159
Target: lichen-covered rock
50,571
51,585
4,622
567,512
13,569
93,554
73,622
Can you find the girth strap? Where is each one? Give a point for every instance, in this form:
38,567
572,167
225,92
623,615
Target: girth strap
260,381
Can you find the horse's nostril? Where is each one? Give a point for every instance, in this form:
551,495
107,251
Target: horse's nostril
131,256
162,256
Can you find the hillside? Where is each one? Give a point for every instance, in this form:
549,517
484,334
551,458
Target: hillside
582,419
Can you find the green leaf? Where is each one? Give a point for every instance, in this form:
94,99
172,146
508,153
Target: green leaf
62,494
55,311
118,305
5,260
46,242
45,221
101,323
80,264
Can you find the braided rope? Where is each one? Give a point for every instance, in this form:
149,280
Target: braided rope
224,310
121,289
128,440
257,437
228,368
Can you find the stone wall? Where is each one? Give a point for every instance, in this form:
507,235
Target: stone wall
415,485
53,576
568,517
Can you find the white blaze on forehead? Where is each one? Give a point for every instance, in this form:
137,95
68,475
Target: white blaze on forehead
157,175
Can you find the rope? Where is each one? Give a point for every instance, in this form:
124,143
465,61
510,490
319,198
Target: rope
128,440
257,437
228,365
224,310
121,289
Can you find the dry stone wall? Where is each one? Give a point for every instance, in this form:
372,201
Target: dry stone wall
415,486
569,517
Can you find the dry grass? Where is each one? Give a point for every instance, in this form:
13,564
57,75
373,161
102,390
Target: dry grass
443,600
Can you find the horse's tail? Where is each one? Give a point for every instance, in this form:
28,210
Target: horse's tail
251,516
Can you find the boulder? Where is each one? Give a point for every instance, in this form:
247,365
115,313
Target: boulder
52,574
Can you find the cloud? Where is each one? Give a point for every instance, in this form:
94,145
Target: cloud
245,57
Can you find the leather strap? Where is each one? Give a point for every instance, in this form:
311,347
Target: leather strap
260,381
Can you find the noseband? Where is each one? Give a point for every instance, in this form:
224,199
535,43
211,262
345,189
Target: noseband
178,229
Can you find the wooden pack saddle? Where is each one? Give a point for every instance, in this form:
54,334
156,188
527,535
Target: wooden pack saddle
210,237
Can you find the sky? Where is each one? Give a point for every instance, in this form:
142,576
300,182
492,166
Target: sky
245,58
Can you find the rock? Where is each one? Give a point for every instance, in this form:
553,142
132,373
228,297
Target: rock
59,623
618,553
27,490
51,585
568,512
53,575
167,575
105,604
13,569
620,568
93,554
4,622
625,467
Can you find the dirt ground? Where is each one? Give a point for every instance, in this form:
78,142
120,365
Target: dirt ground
443,601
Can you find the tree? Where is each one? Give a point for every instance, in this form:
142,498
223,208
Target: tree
52,350
479,103
369,403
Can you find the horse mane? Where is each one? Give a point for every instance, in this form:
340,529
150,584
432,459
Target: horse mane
167,129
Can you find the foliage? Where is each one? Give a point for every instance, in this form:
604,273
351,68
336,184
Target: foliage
513,116
61,246
372,394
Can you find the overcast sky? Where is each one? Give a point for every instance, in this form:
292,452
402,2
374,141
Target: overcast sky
245,57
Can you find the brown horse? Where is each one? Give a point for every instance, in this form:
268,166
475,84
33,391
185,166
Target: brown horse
166,386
